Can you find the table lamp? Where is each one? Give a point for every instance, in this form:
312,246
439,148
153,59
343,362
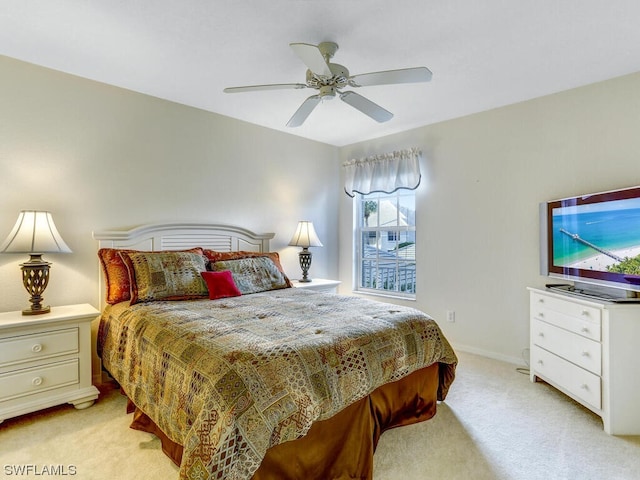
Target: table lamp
35,233
305,237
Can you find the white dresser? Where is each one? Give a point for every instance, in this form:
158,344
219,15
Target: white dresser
589,349
45,360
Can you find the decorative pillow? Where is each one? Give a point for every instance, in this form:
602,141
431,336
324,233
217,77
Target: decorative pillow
254,274
116,275
166,275
215,256
220,284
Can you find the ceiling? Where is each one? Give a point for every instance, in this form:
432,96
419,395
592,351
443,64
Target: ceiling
483,54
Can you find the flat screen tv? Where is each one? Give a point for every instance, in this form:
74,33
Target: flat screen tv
594,239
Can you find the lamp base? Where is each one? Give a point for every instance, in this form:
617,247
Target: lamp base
35,277
31,311
305,257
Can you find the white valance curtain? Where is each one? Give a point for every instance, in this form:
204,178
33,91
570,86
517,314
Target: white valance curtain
383,173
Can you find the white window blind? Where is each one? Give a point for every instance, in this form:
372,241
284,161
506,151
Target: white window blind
384,173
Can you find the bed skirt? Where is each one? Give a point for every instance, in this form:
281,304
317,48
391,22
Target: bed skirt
342,446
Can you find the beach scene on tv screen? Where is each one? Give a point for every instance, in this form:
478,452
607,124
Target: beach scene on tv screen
603,237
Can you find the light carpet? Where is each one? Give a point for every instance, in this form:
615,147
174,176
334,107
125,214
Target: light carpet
495,424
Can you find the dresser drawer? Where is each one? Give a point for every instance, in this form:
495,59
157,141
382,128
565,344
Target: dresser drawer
575,317
580,383
33,380
582,351
25,348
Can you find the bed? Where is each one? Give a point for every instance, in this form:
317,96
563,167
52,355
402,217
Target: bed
244,377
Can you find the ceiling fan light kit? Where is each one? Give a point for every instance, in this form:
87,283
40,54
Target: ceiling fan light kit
330,78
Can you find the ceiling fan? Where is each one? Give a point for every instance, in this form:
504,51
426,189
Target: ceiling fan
330,79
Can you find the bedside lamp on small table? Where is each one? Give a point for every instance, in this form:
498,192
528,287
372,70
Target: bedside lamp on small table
35,233
305,237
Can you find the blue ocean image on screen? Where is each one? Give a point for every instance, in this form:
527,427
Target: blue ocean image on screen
609,226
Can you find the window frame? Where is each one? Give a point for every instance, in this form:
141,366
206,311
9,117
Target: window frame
399,231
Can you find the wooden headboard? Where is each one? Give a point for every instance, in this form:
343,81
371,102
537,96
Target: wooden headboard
179,236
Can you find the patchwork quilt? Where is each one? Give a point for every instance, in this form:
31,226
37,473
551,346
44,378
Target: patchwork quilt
229,378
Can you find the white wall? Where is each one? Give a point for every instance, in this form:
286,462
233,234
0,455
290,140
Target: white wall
100,157
477,211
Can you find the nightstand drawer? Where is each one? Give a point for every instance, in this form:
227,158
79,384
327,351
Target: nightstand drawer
32,380
583,385
582,351
25,348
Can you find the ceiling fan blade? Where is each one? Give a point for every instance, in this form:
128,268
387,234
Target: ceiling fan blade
274,86
404,75
303,111
312,58
366,106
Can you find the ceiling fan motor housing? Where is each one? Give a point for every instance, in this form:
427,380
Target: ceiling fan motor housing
327,92
338,79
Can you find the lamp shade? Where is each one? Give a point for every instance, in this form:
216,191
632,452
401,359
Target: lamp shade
305,236
34,232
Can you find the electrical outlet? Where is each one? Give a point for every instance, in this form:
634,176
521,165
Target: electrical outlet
451,316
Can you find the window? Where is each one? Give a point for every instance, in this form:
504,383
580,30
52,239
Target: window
385,223
386,243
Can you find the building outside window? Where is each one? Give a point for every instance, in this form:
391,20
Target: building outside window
386,243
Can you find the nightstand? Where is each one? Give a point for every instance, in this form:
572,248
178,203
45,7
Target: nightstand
318,284
45,360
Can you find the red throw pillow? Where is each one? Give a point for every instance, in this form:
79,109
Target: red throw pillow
220,284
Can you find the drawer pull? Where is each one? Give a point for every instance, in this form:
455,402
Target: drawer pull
540,362
584,330
37,381
37,348
541,334
541,315
584,386
584,313
541,300
586,354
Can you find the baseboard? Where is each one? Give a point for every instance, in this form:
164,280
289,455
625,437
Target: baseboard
493,355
